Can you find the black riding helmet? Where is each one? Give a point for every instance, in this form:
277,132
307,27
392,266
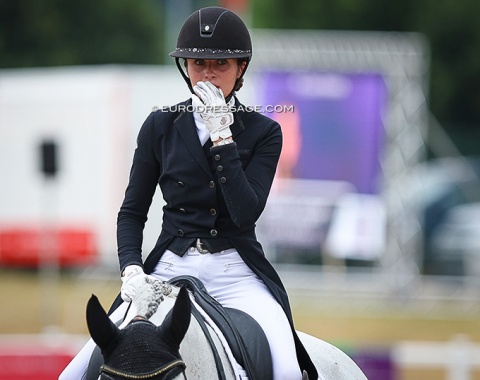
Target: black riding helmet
213,33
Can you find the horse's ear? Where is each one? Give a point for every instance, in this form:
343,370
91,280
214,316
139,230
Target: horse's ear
101,328
177,320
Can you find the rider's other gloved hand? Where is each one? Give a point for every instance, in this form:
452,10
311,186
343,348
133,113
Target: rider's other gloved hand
133,279
210,104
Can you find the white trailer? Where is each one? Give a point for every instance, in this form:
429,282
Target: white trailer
91,115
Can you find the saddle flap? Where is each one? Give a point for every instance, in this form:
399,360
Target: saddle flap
244,335
255,342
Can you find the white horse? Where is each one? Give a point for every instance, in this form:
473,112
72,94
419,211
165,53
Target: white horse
158,339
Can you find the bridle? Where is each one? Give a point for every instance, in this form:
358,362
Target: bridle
165,369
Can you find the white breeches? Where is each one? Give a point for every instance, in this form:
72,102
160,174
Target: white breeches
233,284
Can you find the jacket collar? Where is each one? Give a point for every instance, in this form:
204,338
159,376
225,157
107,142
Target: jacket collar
237,127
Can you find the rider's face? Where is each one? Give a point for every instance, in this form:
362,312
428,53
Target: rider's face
222,73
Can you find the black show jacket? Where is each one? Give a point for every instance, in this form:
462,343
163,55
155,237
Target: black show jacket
214,193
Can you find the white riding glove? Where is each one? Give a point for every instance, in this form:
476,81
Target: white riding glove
134,280
209,101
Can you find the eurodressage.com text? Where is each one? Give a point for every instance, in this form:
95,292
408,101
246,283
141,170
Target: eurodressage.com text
278,108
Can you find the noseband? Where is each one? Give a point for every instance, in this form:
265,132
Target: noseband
104,369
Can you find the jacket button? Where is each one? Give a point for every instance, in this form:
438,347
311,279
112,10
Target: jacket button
180,183
213,233
217,157
213,211
211,184
223,180
180,233
219,168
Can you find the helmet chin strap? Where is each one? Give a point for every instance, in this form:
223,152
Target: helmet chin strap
227,98
185,77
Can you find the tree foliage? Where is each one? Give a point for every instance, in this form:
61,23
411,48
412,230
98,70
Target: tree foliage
63,32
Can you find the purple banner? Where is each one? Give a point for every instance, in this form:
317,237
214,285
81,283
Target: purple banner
335,130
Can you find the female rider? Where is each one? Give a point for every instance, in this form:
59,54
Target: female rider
214,162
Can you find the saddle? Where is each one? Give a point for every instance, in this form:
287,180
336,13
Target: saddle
243,334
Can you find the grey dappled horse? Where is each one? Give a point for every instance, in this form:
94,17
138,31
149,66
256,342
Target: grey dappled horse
159,340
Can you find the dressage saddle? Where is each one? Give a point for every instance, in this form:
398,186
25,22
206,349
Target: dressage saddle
244,335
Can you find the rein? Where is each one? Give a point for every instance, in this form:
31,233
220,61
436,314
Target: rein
167,367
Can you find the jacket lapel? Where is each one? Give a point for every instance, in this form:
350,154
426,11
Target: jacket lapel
237,126
185,125
188,131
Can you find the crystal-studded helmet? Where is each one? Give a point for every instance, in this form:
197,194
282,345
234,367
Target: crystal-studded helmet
213,33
